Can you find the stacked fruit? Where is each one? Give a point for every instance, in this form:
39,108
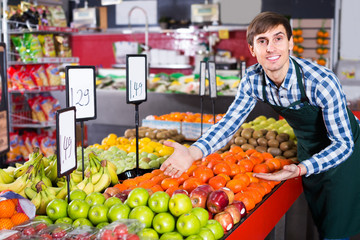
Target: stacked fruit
156,135
322,40
187,117
10,214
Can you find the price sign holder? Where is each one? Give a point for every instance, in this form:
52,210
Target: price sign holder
4,110
66,143
81,93
212,84
136,90
202,78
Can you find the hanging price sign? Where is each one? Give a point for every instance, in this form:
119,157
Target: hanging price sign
202,78
212,79
66,140
81,91
136,78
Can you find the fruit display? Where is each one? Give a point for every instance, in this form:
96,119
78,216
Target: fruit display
187,117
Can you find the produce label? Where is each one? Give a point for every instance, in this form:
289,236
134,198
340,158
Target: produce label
212,79
136,77
202,78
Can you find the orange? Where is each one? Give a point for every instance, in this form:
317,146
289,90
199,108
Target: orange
7,208
256,195
271,166
217,182
212,163
169,182
230,159
240,155
171,190
225,154
148,176
147,183
222,168
191,183
121,186
236,185
250,151
267,186
267,155
156,172
213,156
235,149
129,182
258,155
191,169
19,218
203,173
235,169
255,160
252,178
157,188
158,179
261,168
285,162
244,177
275,162
6,223
247,199
247,164
182,178
227,178
259,188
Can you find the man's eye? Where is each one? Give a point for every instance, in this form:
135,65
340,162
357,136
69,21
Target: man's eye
262,41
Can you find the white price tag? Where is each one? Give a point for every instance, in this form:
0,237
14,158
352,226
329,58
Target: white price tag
202,78
136,78
81,91
212,79
66,140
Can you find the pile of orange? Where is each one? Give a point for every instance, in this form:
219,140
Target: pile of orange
233,169
9,217
189,117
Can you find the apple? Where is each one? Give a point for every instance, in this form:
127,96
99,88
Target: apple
225,219
202,214
97,214
206,234
101,225
45,219
217,201
65,220
159,202
82,221
57,208
78,209
229,193
183,191
77,194
106,195
198,198
148,233
180,204
171,236
118,211
215,228
111,202
58,233
122,196
241,206
29,231
163,222
188,224
14,236
46,236
194,237
112,191
108,234
40,227
234,212
142,213
121,230
95,198
205,187
137,197
132,236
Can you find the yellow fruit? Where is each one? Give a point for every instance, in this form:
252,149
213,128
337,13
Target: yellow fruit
112,136
111,141
147,149
122,140
131,149
146,140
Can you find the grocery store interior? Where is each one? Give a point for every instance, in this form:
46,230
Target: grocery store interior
170,45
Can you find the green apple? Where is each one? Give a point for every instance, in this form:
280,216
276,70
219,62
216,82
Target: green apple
142,213
159,202
77,194
188,224
202,214
45,219
56,209
95,198
78,209
65,220
163,222
118,211
97,214
180,204
206,234
216,228
152,156
148,234
81,222
171,236
144,165
194,237
137,197
154,163
101,225
111,201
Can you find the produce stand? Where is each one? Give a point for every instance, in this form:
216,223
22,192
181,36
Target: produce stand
262,219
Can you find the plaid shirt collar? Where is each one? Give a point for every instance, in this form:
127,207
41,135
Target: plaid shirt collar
290,77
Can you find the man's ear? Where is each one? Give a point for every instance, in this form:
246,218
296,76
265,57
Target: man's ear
291,43
251,48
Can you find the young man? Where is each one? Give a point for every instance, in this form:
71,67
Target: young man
311,99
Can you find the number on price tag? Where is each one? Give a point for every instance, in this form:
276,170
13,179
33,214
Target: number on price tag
66,140
81,92
136,77
202,78
212,79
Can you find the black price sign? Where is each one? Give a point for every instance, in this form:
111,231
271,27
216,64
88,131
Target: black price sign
212,79
136,78
202,78
66,140
81,91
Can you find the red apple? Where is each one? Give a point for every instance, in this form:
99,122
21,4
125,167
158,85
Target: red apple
241,206
229,193
112,191
198,198
181,191
234,212
150,191
217,201
225,219
210,215
106,195
205,187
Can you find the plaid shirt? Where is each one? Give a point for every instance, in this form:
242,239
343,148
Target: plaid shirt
323,90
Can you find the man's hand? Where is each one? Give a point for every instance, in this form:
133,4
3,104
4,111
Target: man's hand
288,171
181,159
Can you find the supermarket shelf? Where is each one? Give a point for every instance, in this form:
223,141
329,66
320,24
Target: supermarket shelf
262,219
39,89
48,60
44,29
34,125
172,66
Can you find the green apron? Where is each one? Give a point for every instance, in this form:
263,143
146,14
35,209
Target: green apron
333,196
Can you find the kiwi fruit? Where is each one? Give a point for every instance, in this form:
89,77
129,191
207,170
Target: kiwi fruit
247,146
150,134
273,143
247,133
282,137
160,135
261,149
271,135
290,153
240,141
257,134
274,151
253,142
129,133
280,157
262,142
287,145
264,131
142,133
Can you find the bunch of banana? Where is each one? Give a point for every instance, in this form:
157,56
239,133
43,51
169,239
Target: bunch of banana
41,197
108,164
20,183
6,177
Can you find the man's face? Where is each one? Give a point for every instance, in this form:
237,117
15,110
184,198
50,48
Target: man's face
271,50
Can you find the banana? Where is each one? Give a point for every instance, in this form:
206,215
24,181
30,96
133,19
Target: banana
43,177
52,171
96,177
104,181
30,193
112,165
6,177
113,175
89,188
95,160
37,201
49,194
76,177
72,185
18,185
62,193
54,190
81,185
93,168
44,202
10,170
